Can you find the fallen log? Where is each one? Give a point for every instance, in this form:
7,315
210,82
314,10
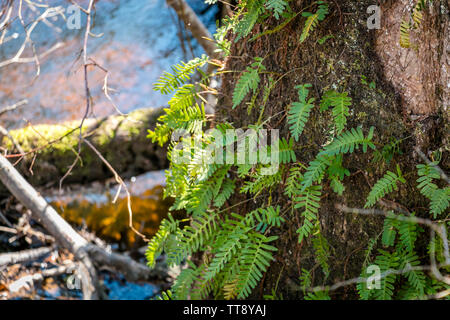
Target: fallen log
24,256
66,236
51,149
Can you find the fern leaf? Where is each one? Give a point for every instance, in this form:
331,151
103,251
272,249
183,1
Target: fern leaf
249,80
312,20
309,200
299,112
156,245
405,35
277,6
386,184
180,74
427,172
439,201
256,257
348,142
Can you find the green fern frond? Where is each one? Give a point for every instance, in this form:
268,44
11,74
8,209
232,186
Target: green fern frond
315,171
312,20
340,103
408,233
255,259
226,251
416,278
277,6
181,73
299,112
226,192
249,80
156,245
389,230
405,34
348,142
194,236
440,201
183,283
309,201
386,184
254,9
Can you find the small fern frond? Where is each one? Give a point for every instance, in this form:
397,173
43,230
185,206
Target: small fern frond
286,152
440,201
249,80
405,34
277,6
255,259
292,187
299,112
427,172
181,73
312,20
309,201
156,245
340,103
348,142
386,184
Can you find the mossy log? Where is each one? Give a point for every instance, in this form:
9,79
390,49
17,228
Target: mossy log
51,149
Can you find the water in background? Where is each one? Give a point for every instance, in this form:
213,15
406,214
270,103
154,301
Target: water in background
140,40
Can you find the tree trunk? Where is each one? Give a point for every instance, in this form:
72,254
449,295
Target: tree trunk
121,140
410,102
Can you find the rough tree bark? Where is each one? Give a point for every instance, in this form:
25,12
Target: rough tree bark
122,141
410,101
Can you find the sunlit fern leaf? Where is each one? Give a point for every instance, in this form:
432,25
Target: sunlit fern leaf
299,112
385,185
192,237
312,20
439,201
181,73
248,81
405,34
254,9
156,245
225,193
277,6
309,201
226,251
315,171
408,233
183,98
292,187
340,103
184,282
255,259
